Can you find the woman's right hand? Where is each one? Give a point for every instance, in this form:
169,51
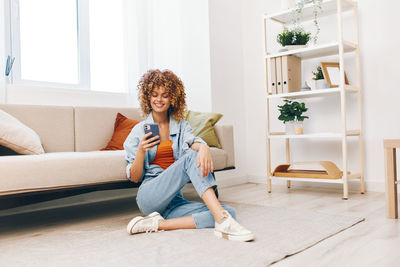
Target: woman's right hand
147,144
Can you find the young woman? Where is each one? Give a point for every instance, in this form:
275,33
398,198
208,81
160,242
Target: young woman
167,162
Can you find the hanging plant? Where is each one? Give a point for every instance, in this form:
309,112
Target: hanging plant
297,15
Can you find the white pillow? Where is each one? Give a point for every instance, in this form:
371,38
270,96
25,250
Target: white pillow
17,136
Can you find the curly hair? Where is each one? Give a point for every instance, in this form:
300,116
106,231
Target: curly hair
173,85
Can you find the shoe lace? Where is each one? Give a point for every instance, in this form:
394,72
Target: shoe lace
233,223
153,227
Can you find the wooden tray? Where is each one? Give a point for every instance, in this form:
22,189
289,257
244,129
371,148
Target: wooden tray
329,170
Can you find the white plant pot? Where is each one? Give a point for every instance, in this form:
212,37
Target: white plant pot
294,47
294,127
318,84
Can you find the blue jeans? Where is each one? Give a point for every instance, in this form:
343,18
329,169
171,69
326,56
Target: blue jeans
163,192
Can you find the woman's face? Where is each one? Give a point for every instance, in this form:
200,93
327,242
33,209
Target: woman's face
160,100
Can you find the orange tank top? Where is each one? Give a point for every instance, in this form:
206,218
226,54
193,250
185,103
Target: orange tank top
165,155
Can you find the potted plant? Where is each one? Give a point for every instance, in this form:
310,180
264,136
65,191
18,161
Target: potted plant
291,115
293,39
318,81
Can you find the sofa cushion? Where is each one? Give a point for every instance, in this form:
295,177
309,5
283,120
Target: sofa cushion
62,169
202,126
17,136
66,169
94,126
122,128
54,124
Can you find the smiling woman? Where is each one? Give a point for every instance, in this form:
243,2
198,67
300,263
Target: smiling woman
165,163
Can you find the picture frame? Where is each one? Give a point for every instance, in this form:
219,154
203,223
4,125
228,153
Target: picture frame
331,72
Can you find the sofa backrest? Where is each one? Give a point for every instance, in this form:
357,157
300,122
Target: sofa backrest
54,124
94,126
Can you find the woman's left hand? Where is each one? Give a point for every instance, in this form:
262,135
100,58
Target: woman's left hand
204,160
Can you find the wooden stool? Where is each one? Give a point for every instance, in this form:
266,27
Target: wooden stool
391,177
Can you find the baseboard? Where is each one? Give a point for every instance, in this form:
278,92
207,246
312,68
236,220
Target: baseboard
226,180
232,177
354,185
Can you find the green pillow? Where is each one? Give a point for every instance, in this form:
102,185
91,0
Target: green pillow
202,125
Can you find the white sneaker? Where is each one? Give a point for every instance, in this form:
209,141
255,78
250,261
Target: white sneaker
230,229
146,224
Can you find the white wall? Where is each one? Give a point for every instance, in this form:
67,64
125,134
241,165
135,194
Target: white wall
379,59
180,42
238,84
228,95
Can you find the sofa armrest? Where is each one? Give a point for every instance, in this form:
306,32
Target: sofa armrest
225,137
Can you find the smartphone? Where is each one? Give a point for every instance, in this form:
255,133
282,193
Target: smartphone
153,128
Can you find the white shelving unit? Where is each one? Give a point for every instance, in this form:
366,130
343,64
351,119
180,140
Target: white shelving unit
329,7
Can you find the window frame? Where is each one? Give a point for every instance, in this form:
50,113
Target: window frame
83,45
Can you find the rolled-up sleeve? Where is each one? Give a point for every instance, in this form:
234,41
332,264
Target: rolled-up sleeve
188,137
131,146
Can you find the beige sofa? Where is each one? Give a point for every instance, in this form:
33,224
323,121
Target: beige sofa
71,138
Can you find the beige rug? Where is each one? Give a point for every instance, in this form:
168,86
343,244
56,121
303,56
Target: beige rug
279,233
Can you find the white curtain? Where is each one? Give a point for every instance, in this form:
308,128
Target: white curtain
172,34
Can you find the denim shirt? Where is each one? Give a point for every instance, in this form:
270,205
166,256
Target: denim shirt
180,133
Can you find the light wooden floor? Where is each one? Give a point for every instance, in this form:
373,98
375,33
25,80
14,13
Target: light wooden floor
375,242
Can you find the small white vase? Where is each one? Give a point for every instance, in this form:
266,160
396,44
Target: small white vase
294,127
294,47
318,84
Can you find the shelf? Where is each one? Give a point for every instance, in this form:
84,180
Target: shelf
314,93
333,181
353,133
315,180
351,88
354,176
282,135
317,51
337,48
328,8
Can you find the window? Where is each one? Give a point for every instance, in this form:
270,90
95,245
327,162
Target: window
48,41
107,45
69,43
